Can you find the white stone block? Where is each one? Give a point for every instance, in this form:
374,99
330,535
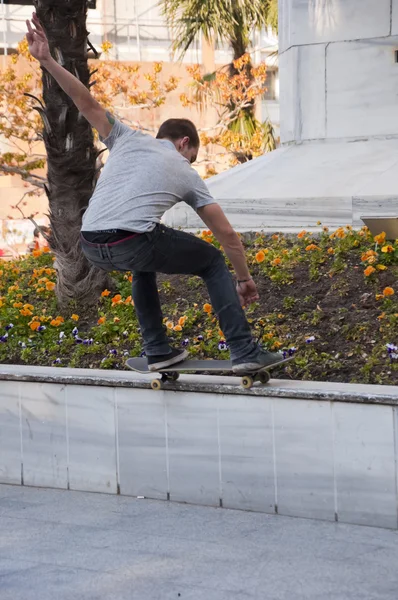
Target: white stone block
315,21
142,443
44,445
247,453
303,93
10,433
365,467
92,439
362,81
193,446
304,459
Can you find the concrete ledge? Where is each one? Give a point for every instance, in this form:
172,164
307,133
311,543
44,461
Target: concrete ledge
197,384
317,450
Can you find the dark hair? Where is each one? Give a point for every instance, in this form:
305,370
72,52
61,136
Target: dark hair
175,129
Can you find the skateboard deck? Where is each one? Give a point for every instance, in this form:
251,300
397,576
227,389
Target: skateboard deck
140,365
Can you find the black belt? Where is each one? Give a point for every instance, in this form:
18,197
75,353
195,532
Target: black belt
107,236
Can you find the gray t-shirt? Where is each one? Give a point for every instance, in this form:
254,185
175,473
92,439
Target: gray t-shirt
142,178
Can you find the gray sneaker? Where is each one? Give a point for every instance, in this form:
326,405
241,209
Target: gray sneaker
258,361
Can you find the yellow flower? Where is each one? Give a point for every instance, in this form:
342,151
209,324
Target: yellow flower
116,320
312,247
101,320
379,296
381,238
369,271
388,291
381,267
169,325
330,251
207,308
380,317
17,304
105,293
260,256
387,249
181,321
50,286
340,233
325,229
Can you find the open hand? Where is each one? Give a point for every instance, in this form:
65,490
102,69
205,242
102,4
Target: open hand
247,292
37,40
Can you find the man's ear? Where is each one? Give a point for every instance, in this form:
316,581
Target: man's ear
185,142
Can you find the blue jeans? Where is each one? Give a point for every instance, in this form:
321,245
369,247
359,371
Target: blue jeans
166,250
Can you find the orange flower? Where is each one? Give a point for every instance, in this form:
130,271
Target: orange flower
101,320
55,323
276,262
116,320
74,317
34,325
369,271
50,286
207,308
17,304
381,238
340,233
28,306
301,234
387,249
105,293
117,299
379,296
177,328
60,319
388,291
367,255
330,251
312,247
275,236
169,324
181,321
46,250
36,253
128,300
380,317
260,256
25,312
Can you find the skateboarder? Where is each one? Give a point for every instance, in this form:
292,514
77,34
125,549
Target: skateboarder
142,178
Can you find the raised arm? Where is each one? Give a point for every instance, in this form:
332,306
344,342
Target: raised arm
100,119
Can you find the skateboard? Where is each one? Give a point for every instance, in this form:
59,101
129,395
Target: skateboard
172,373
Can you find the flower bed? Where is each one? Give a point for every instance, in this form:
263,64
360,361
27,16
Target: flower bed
331,297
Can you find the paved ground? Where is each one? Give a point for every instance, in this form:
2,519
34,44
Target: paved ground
57,545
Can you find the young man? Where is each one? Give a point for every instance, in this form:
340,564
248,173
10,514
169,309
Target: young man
142,178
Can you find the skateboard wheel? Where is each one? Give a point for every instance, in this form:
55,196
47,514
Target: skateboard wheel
156,384
174,376
263,377
247,382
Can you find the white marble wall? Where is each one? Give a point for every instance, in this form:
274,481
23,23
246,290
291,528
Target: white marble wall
337,69
306,458
315,21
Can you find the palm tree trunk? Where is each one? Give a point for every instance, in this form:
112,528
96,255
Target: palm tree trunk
71,153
